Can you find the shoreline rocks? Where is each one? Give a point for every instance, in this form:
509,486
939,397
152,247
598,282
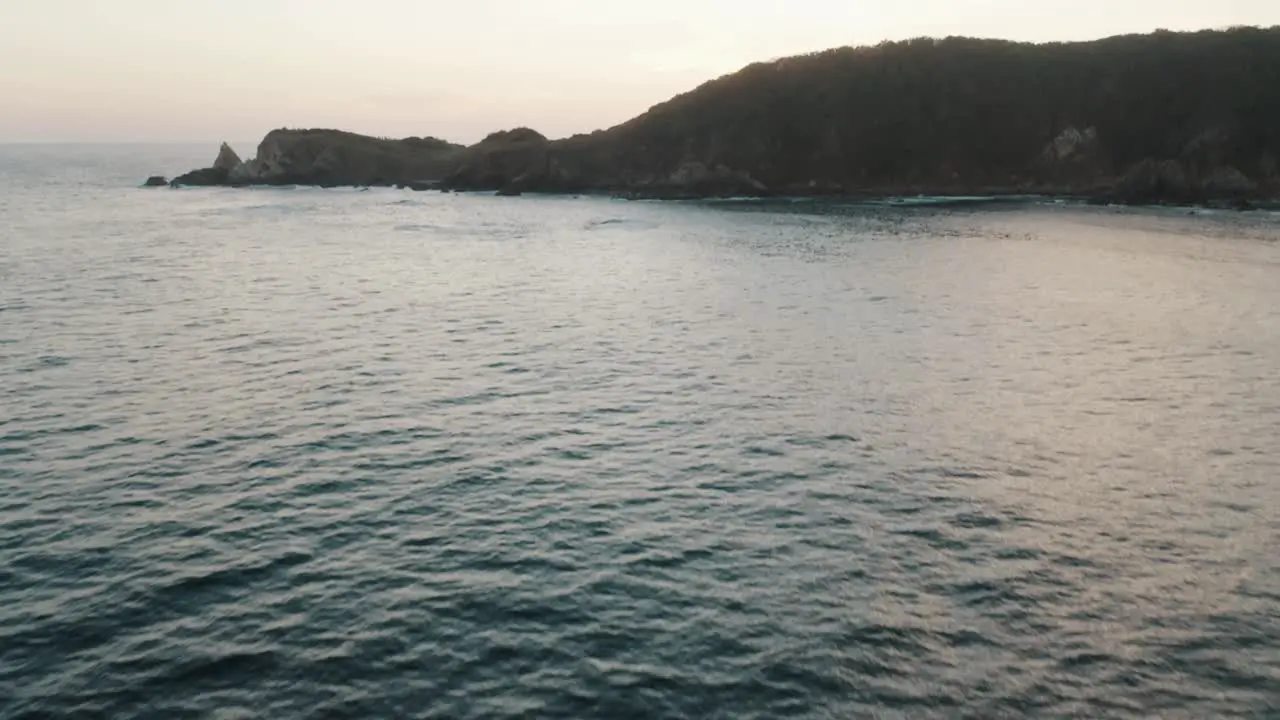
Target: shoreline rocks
329,158
519,161
205,177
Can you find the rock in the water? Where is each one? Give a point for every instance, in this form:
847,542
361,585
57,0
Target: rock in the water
227,159
222,172
202,178
246,173
156,181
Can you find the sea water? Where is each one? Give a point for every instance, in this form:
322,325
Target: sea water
329,453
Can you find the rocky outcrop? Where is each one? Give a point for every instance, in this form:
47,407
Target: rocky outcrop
217,174
511,161
330,158
227,159
205,177
156,181
522,160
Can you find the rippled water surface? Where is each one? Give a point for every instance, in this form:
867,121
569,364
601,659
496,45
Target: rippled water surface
306,453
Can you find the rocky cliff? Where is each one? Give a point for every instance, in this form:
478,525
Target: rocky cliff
1165,117
330,158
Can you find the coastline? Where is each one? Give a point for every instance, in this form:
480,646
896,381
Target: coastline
951,117
333,159
853,200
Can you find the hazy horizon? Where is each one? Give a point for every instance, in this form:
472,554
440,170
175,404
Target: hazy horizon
137,71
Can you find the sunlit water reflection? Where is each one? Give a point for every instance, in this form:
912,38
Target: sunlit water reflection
384,454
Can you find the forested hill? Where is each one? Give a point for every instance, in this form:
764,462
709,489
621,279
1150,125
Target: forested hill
962,114
1142,118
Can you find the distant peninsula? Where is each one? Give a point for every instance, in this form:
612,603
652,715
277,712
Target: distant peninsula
1159,118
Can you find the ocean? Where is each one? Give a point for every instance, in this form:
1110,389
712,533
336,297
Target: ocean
304,453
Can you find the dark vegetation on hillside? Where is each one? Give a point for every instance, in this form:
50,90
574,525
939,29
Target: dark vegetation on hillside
1144,118
980,112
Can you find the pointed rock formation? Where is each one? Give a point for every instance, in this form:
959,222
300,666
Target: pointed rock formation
227,159
218,174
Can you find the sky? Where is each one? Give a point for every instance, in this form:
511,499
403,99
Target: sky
202,71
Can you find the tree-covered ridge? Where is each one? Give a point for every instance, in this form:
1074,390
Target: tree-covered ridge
970,113
1142,118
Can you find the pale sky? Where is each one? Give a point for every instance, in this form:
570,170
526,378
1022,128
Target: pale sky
204,70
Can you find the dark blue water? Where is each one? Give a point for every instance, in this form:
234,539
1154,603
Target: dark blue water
306,453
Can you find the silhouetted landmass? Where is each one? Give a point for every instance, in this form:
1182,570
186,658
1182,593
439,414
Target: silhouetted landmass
1165,117
332,158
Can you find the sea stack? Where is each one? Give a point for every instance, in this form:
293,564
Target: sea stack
217,174
227,159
